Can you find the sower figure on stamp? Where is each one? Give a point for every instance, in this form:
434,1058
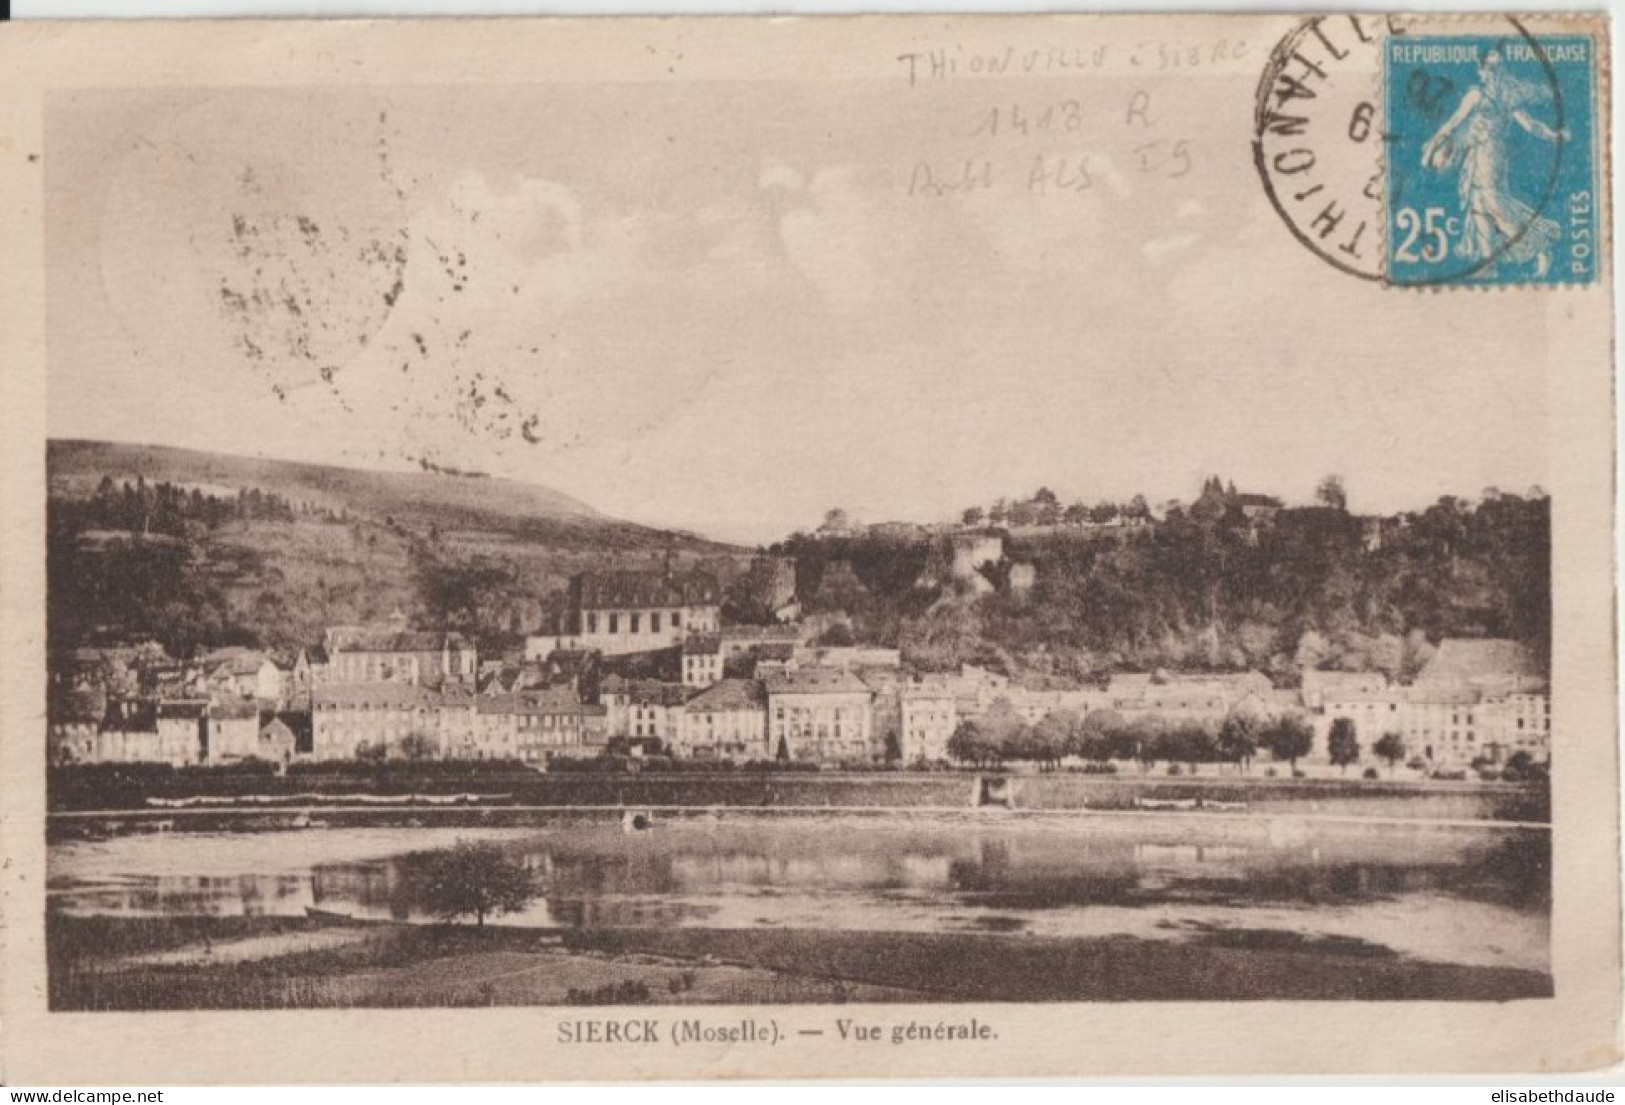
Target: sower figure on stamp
1496,225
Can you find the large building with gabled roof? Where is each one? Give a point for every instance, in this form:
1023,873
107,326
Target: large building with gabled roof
618,613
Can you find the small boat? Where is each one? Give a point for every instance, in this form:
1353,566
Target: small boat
1215,804
1165,803
994,791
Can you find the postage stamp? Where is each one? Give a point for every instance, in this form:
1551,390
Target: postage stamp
1492,172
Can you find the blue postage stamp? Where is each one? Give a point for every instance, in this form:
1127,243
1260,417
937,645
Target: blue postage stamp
1491,160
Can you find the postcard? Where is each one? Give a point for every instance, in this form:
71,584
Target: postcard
791,548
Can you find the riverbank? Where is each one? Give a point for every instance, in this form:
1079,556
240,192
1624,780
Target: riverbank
1428,799
200,963
299,828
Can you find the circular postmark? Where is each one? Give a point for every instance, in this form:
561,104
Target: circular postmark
1317,138
1341,150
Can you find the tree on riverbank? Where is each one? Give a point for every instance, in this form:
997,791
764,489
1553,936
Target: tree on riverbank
1390,747
417,746
1289,738
1342,745
969,744
1238,739
476,878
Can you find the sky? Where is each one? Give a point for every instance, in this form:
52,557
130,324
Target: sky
729,306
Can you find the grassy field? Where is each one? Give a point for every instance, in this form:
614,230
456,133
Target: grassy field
100,963
115,963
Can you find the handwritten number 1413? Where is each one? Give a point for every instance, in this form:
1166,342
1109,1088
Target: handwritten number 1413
1065,116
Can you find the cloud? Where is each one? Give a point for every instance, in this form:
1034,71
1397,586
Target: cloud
777,175
839,239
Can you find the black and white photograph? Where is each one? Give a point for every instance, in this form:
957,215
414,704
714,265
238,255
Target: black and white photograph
791,518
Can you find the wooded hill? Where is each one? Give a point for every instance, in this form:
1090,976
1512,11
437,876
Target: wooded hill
202,549
1206,588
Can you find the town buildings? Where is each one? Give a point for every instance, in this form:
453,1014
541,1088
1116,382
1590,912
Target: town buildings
535,727
357,720
747,640
702,660
278,742
1475,701
1191,697
929,714
736,693
232,732
819,714
645,709
400,655
310,669
244,673
726,721
181,729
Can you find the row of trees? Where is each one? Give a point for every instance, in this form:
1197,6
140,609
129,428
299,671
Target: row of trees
167,508
1044,508
142,575
1001,735
1343,745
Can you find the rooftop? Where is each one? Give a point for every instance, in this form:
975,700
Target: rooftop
277,729
761,633
729,694
235,709
298,722
1336,679
928,687
702,644
1248,498
815,681
186,708
1467,660
645,692
404,640
553,700
82,704
398,696
643,589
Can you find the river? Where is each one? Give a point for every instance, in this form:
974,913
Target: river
1462,895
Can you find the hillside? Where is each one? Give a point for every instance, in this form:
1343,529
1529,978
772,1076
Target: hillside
1207,588
269,552
76,467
